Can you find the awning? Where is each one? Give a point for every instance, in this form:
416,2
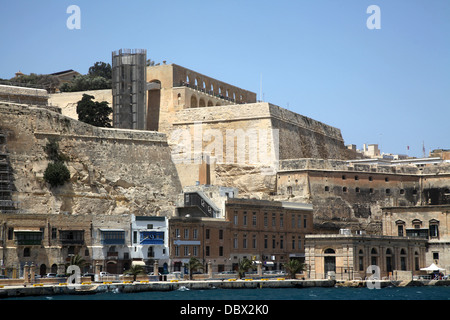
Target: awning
137,263
432,267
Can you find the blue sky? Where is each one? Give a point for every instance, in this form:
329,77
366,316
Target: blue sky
389,86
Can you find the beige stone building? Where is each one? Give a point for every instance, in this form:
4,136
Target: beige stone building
426,222
267,232
348,256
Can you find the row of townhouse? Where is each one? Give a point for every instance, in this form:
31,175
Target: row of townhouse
212,226
106,243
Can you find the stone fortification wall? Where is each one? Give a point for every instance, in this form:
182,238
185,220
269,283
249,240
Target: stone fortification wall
67,101
346,195
23,95
299,136
111,171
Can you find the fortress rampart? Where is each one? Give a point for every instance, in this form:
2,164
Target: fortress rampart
111,171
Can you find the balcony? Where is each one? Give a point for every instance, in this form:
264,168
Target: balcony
27,237
71,237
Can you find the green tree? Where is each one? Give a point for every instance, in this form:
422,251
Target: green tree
56,174
101,69
243,267
294,266
45,81
86,83
94,112
192,265
77,260
135,271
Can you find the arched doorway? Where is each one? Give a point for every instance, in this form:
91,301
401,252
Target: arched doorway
43,270
329,262
194,102
153,104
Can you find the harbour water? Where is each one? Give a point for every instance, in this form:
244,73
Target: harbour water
333,293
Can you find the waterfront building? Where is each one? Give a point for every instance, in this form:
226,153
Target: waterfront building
426,222
150,243
267,232
348,256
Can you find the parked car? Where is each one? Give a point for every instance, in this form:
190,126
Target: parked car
105,274
50,275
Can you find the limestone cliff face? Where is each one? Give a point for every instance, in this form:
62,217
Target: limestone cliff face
111,171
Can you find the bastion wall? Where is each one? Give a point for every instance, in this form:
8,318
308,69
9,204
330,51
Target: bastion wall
112,171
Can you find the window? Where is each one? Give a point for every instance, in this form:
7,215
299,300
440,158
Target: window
357,190
400,230
54,233
254,241
273,242
186,233
370,179
186,251
220,251
235,219
327,188
265,219
26,252
220,234
281,221
195,233
273,220
388,191
386,179
245,218
195,251
207,251
177,251
356,178
254,219
177,233
281,242
207,234
434,231
266,240
305,219
235,241
344,189
244,242
293,242
344,177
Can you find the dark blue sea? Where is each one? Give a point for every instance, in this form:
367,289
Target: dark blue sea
266,303
316,293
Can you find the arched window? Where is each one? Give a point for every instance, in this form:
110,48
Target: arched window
374,257
329,251
194,102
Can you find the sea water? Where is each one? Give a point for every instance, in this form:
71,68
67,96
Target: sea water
316,293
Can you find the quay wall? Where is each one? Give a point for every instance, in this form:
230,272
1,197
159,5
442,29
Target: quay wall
93,288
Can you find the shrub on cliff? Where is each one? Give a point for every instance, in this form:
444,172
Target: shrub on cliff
56,174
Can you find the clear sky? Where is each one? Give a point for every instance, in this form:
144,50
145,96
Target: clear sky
389,86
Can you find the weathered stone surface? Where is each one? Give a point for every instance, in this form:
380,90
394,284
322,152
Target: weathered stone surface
112,171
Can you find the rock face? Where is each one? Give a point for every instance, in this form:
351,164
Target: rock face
112,171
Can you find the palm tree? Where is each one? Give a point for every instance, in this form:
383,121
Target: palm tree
77,260
135,271
192,265
294,266
243,267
